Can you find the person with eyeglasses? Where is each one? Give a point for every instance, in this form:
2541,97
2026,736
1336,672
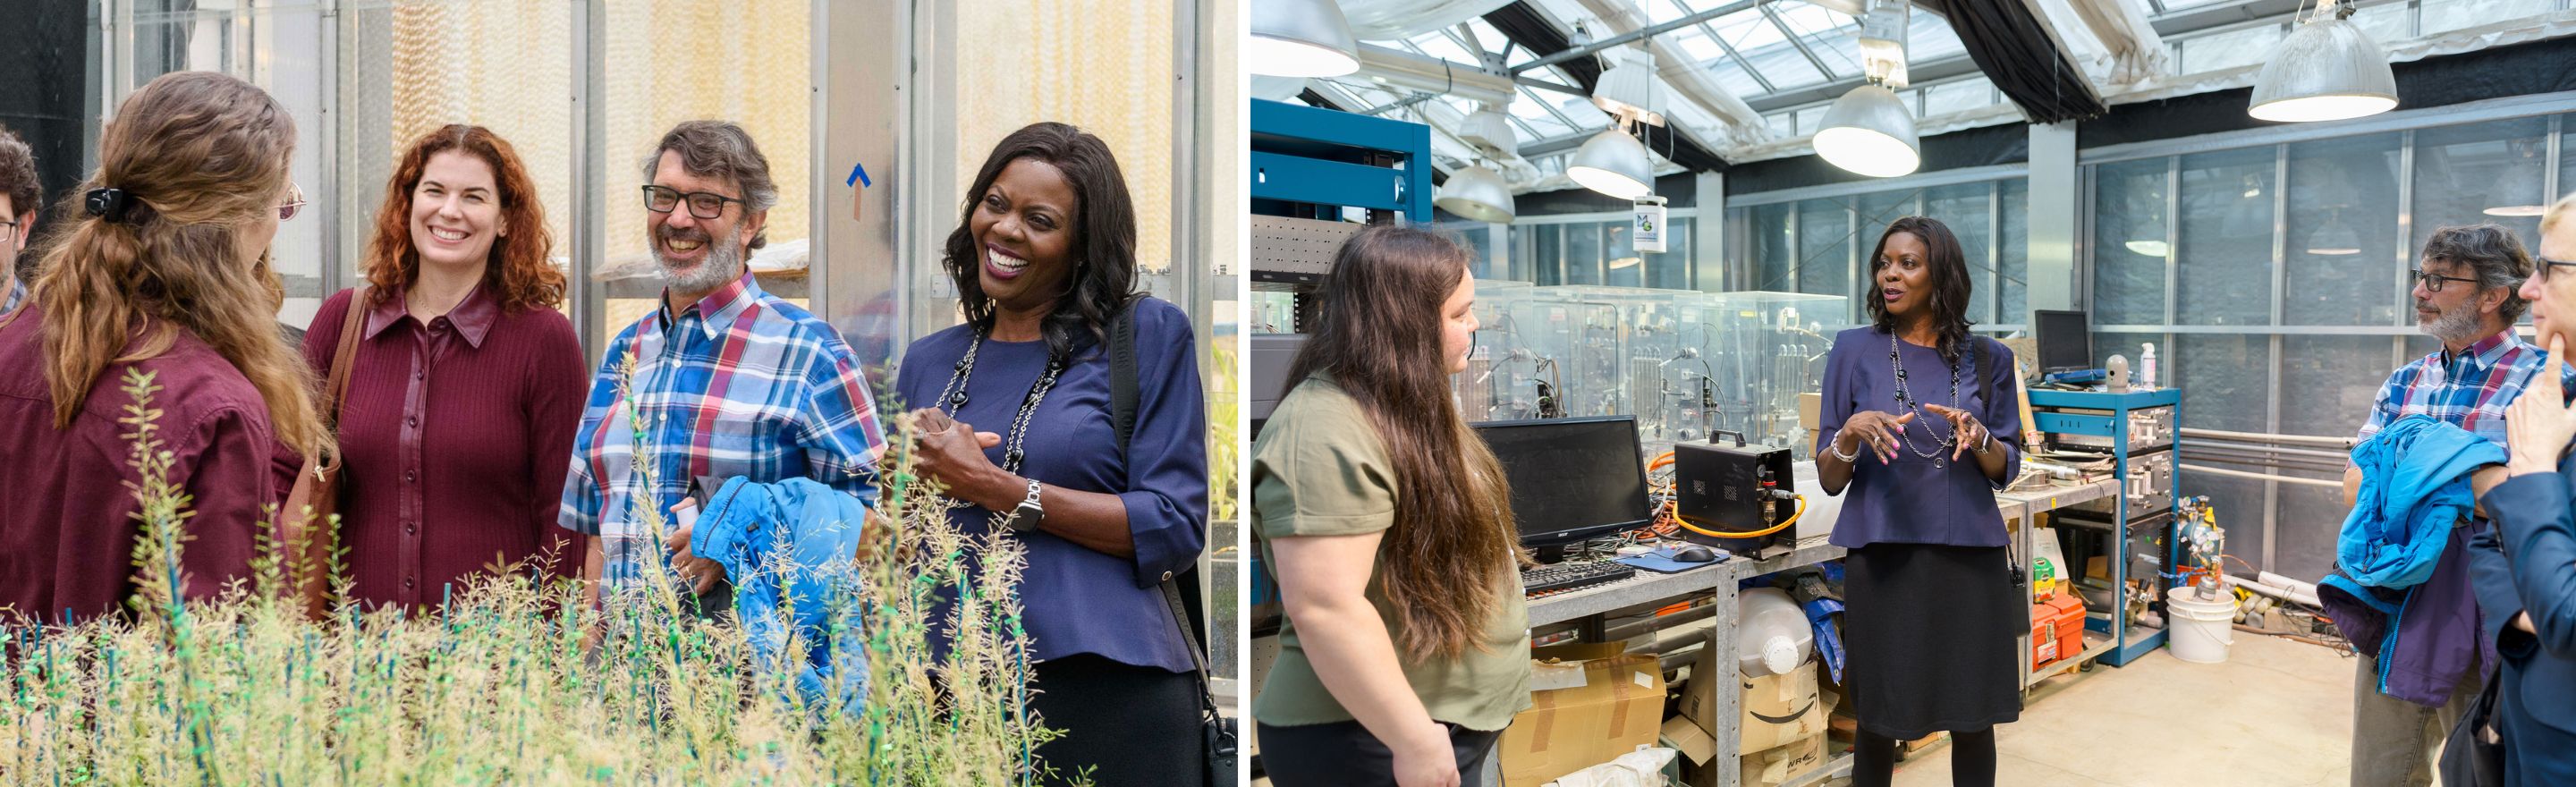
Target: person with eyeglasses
2465,296
19,196
464,384
163,275
727,380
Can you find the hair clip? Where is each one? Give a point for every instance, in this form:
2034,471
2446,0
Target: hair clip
108,204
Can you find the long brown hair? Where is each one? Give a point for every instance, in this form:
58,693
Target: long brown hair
1378,339
198,155
517,270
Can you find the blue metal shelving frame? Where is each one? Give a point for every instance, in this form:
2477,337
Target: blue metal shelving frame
2114,424
1321,158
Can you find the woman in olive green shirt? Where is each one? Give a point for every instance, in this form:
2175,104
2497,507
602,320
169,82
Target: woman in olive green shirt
1388,524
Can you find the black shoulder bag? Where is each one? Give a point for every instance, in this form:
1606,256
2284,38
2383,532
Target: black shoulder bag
2014,569
1216,732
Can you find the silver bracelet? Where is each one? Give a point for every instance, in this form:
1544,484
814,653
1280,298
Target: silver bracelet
1854,458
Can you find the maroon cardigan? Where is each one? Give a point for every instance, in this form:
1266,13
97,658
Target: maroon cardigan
67,530
457,435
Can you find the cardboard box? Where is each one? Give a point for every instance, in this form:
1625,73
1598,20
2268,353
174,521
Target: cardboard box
1772,767
1811,410
1618,706
1776,709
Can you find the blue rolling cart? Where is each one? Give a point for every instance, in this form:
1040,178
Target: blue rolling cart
2138,430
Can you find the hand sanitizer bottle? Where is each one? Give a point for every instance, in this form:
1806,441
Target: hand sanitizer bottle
2147,367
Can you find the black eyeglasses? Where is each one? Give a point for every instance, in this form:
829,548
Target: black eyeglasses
8,229
2433,281
702,204
2543,264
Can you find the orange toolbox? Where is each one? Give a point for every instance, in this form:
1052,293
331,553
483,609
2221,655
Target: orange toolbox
2056,629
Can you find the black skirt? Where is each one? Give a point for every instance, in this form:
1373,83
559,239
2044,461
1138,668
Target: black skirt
1929,638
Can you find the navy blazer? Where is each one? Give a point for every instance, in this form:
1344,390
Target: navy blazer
2527,564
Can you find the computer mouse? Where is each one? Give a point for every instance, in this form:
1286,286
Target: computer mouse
1693,553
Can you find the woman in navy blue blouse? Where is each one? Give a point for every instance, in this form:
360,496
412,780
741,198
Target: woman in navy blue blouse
1920,427
1015,405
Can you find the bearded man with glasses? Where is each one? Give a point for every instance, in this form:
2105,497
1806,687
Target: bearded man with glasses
2406,700
726,380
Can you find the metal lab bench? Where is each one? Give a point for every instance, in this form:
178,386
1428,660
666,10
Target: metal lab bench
1720,581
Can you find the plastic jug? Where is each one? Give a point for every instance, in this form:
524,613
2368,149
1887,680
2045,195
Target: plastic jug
1773,636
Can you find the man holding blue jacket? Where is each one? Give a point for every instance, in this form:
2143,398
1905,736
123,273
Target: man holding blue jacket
2407,698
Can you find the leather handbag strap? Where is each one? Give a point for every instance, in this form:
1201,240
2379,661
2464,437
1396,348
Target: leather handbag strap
1124,394
344,355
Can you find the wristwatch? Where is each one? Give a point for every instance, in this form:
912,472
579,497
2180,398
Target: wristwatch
1025,517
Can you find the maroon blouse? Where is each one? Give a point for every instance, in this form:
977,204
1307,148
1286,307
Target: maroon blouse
67,530
457,435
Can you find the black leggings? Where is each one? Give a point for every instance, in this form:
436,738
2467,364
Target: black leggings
1344,754
1129,724
1972,759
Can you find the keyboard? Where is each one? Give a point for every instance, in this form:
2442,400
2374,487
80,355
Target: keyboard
1573,574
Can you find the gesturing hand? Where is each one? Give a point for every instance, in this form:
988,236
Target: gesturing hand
1963,426
2540,424
1879,430
951,452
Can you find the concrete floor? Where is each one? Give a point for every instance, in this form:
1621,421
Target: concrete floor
2277,713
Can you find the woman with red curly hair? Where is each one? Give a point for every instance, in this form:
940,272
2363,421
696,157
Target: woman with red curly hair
466,385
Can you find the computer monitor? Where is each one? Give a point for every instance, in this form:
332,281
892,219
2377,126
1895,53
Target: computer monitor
1572,478
2065,340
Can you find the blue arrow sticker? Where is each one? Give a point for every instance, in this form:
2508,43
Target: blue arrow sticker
858,176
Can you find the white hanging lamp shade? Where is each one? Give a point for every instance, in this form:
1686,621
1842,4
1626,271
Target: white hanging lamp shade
1477,193
1615,164
2518,191
2334,238
1300,38
1490,133
1628,88
2327,69
1869,131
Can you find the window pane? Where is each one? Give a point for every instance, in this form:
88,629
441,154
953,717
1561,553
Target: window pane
1670,270
1967,210
2224,379
2225,263
2336,378
1876,212
2306,528
2442,16
1582,253
1824,247
2462,172
2342,245
2129,247
2221,51
2012,254
1622,266
1767,233
1546,259
1962,95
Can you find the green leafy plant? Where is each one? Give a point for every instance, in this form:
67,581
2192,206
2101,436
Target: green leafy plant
513,680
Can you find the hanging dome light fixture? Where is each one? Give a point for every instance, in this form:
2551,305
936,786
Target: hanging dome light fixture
2326,69
2334,238
1869,130
1477,193
1300,38
1614,163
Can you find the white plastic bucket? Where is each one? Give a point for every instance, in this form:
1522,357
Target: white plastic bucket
2200,630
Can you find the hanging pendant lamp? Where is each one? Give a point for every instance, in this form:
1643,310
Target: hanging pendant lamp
2326,69
1869,131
